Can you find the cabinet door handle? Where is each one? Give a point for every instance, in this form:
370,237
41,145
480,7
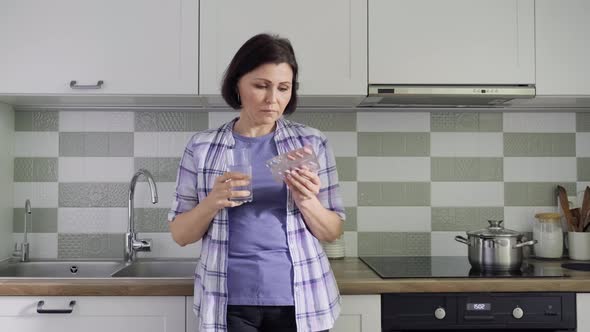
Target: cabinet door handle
40,309
75,85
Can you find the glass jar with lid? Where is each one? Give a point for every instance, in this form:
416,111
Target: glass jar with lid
549,235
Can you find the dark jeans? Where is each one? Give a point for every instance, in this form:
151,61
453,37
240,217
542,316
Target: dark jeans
251,318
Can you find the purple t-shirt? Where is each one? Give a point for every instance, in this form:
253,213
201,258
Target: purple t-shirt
259,270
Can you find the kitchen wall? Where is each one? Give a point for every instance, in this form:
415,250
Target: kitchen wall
6,169
411,181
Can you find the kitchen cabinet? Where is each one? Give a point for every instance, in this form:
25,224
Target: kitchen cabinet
562,47
582,310
93,314
329,38
451,42
133,47
359,313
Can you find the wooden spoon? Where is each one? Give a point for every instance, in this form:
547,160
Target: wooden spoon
584,218
565,206
577,220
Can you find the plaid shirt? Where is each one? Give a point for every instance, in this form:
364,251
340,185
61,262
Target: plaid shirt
317,300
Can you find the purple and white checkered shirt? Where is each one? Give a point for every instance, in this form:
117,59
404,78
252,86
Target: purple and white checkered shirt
317,299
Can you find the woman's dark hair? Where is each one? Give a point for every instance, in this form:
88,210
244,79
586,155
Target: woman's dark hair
259,50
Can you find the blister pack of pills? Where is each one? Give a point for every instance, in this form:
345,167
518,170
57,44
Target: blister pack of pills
303,157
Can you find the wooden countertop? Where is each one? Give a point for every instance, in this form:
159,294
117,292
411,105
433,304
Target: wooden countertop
353,277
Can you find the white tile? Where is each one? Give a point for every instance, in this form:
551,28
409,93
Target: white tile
163,246
583,144
216,119
41,245
465,194
77,121
344,144
539,122
143,196
350,244
95,169
92,220
41,194
444,244
349,193
163,144
396,122
540,169
466,145
393,219
393,169
36,144
522,218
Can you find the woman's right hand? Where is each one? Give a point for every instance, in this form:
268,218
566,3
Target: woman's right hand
220,195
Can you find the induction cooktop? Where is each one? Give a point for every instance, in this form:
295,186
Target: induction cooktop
388,267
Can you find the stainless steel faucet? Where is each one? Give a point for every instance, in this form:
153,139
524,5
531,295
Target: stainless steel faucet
132,244
22,251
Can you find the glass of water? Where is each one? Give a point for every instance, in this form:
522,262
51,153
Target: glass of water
239,160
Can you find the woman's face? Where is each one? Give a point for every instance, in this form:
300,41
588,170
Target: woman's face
265,92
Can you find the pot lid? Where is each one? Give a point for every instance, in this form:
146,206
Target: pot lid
495,230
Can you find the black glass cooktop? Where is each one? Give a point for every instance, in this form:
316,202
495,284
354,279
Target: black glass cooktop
447,267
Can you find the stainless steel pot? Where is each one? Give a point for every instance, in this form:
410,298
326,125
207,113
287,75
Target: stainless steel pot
495,248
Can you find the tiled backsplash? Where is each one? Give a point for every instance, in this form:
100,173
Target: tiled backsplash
6,169
411,181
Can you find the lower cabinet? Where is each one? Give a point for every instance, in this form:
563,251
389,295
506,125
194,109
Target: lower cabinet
92,313
582,310
359,313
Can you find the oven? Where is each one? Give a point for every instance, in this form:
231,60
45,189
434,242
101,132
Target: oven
537,311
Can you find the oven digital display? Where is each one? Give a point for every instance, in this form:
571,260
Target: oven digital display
479,306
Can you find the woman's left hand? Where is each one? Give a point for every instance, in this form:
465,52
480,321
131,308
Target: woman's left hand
304,184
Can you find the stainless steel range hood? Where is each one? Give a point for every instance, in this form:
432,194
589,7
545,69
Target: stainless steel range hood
445,96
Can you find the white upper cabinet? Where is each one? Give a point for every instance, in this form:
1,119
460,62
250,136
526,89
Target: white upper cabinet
563,47
329,38
132,46
451,42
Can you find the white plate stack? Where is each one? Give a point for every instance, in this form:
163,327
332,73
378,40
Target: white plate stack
334,250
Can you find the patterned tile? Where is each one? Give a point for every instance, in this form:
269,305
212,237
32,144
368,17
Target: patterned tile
36,121
393,244
539,145
90,246
464,219
35,169
394,144
93,194
466,122
93,144
583,122
151,220
171,121
346,168
163,169
533,193
326,121
466,169
41,220
583,169
393,194
351,219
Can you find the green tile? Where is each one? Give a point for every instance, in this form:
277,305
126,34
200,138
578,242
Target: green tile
539,144
583,169
95,144
464,218
171,121
163,169
393,144
583,122
90,245
533,193
35,169
151,220
41,220
393,193
466,122
466,169
393,244
93,194
326,121
350,223
346,168
36,121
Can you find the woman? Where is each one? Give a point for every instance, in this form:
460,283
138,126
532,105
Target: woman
262,267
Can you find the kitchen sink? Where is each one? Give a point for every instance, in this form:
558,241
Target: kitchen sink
158,269
60,269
